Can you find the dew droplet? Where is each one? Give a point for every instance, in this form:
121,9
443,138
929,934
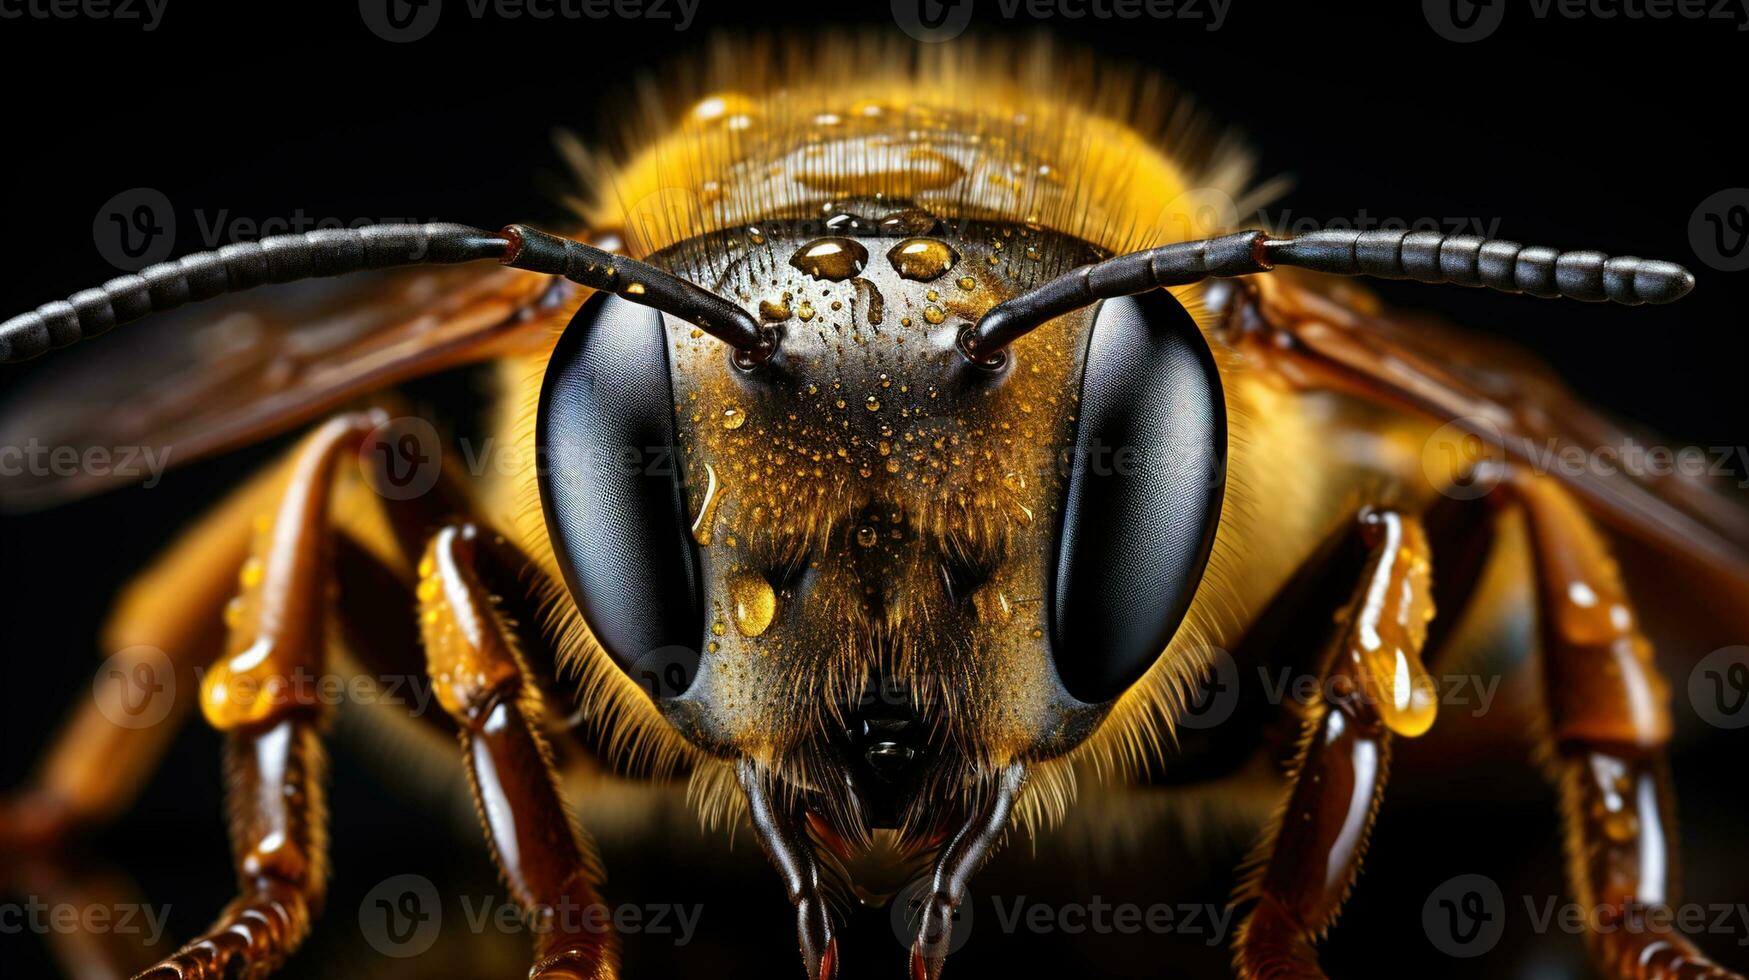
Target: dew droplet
707,511
908,221
872,403
932,315
866,536
834,259
733,418
752,602
922,259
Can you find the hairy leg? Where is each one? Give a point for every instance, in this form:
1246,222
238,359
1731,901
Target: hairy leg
1608,722
1310,856
482,680
260,695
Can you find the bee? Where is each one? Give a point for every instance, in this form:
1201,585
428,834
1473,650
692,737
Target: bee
895,449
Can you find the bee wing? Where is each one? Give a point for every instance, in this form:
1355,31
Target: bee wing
1336,336
208,378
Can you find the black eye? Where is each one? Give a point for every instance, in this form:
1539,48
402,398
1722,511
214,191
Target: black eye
1144,494
610,483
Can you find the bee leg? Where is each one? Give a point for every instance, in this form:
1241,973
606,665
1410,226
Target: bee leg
168,624
163,628
1608,721
786,844
963,855
482,680
1308,860
261,696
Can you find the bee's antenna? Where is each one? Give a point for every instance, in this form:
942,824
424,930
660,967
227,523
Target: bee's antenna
333,252
533,249
1467,260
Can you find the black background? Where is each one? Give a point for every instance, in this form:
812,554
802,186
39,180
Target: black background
1594,133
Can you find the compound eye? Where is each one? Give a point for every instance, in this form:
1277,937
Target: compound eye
610,484
1144,495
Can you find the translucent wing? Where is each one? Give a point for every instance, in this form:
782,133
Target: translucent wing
217,375
1327,332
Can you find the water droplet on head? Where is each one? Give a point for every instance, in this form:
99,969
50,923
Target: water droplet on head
833,259
752,602
908,221
922,259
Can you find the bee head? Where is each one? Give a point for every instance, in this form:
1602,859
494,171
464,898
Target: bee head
869,562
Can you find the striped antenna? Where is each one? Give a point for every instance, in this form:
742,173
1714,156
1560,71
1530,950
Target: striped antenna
334,252
1467,260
